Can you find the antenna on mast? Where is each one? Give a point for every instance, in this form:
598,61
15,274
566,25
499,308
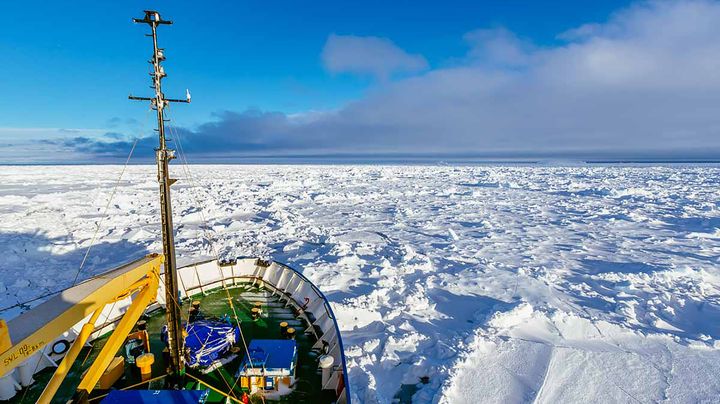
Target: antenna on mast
176,341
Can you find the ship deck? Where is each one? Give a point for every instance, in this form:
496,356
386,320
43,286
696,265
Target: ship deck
213,303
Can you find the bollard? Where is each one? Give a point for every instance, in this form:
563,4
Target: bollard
326,364
144,362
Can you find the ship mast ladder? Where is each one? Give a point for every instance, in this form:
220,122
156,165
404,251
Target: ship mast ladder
176,366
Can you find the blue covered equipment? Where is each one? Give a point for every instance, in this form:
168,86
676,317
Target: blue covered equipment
207,341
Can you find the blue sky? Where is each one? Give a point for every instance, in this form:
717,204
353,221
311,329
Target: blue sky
285,77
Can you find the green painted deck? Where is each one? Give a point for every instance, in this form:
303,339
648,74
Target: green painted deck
214,303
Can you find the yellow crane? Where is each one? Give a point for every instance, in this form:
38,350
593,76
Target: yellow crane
30,332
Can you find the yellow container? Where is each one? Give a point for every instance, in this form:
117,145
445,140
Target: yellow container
114,372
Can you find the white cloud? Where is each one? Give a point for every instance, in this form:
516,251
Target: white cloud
379,57
498,46
644,83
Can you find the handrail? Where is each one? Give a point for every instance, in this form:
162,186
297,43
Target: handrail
326,303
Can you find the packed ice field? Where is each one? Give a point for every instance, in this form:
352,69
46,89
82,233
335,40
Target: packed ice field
490,283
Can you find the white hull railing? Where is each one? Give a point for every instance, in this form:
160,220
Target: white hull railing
204,277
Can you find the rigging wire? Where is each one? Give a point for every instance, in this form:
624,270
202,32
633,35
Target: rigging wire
206,234
104,214
186,168
174,298
87,252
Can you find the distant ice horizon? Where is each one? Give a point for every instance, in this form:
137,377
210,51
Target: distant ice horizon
390,159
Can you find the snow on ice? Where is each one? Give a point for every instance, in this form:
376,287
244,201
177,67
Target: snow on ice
497,283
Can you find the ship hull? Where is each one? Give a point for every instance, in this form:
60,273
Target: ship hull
227,288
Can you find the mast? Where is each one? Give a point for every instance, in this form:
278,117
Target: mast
176,367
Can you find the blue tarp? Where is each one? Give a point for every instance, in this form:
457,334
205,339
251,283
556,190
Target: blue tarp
207,340
271,354
156,396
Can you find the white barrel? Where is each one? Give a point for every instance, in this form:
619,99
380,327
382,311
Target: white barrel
8,386
25,372
326,364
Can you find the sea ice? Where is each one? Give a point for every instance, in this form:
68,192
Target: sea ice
497,283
